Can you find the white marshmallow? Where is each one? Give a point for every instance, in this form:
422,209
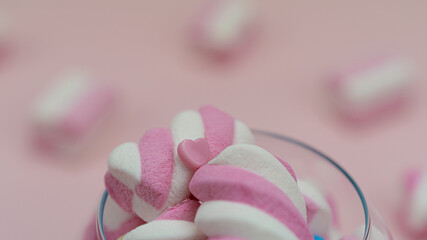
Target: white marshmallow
124,163
225,22
69,112
166,230
363,91
417,212
242,134
224,218
321,221
114,216
59,98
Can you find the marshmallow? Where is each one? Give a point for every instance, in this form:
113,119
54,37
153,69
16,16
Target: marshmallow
334,234
176,223
319,213
414,206
241,221
224,24
374,87
116,222
185,211
259,161
229,183
166,230
148,177
69,111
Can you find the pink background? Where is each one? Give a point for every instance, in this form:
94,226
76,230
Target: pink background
142,49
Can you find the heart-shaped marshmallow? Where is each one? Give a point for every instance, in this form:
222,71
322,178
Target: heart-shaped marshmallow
194,154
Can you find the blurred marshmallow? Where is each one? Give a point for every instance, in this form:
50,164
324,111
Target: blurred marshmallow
376,86
66,114
414,205
223,25
319,212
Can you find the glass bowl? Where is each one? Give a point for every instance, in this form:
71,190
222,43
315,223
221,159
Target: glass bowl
353,211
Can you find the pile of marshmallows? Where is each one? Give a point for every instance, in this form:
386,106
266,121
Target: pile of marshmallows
203,178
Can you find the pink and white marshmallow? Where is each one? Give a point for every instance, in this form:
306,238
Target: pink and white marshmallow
414,204
224,24
364,91
249,177
176,223
319,213
264,164
116,222
234,220
148,177
70,110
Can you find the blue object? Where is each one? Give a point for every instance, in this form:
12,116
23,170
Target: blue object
318,238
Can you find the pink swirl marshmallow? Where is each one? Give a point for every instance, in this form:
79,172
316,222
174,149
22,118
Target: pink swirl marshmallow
148,177
366,91
229,183
65,116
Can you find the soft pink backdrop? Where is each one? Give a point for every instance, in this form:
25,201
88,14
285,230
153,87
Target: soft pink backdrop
142,49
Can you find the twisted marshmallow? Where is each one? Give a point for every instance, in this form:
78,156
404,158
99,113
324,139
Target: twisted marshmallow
148,177
251,177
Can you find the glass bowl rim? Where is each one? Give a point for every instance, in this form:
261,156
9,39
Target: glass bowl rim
100,218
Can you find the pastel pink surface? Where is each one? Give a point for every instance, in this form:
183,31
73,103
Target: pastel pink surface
121,194
157,161
87,111
194,154
261,89
90,231
185,211
216,182
219,129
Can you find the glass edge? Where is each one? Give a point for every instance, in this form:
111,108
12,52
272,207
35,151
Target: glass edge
100,220
352,181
